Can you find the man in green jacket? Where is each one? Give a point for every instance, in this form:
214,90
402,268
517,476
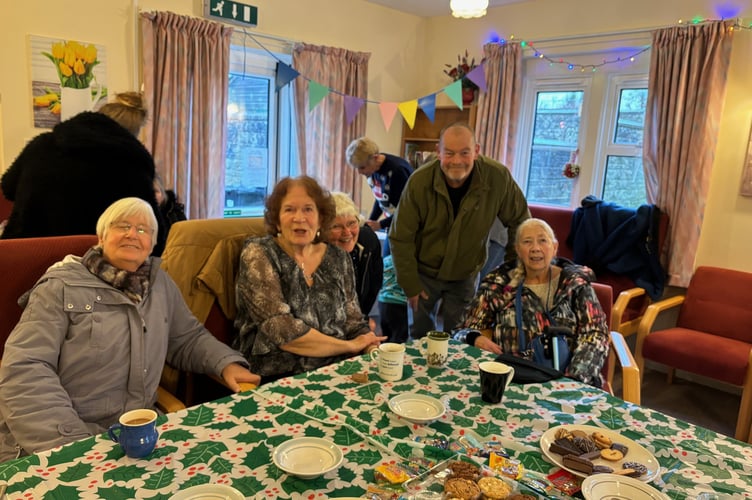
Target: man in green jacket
440,228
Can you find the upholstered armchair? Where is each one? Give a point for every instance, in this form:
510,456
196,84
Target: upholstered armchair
23,262
712,336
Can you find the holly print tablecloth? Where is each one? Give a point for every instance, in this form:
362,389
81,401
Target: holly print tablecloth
230,441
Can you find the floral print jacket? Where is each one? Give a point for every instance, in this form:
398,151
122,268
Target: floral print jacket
575,305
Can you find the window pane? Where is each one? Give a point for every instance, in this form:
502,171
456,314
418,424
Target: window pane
247,156
555,135
631,117
625,181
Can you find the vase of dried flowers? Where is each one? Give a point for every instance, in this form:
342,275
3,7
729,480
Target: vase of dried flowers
459,71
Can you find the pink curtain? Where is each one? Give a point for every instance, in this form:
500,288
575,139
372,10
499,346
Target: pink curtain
498,111
686,89
186,65
323,133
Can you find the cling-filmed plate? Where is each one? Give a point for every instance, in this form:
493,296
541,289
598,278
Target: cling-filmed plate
615,487
307,457
417,408
208,492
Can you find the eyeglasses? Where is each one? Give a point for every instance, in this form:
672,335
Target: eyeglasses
125,228
350,225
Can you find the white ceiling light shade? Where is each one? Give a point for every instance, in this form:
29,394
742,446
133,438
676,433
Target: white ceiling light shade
468,8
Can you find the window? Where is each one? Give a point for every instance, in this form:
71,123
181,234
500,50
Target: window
261,142
601,114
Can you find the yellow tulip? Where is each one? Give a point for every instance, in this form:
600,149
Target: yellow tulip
55,108
91,54
80,50
46,99
70,56
58,50
79,67
65,69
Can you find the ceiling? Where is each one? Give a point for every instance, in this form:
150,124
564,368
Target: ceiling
430,8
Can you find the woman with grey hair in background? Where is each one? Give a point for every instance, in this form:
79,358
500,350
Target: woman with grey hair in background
94,336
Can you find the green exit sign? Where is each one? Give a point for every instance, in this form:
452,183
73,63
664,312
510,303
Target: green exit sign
231,12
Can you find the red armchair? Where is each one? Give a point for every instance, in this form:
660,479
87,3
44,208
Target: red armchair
712,336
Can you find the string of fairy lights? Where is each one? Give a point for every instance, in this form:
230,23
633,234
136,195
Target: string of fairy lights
575,66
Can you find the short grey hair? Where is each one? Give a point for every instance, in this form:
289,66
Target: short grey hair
345,207
359,150
127,207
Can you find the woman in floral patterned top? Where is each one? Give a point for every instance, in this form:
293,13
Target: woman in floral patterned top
554,292
297,306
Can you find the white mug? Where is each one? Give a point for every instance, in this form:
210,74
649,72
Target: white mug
435,348
391,359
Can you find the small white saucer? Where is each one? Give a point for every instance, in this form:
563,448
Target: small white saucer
208,492
616,487
307,457
417,408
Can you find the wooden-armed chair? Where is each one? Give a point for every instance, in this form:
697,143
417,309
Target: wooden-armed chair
202,257
23,262
712,336
618,352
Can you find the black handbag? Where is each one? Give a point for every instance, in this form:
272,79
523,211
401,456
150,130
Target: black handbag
528,372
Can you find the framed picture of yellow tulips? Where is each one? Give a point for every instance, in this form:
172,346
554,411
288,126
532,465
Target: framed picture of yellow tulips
67,77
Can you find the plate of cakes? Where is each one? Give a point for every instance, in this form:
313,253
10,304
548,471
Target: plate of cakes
462,478
585,450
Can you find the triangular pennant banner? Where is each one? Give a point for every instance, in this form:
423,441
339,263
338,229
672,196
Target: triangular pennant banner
428,105
478,77
285,74
454,92
316,92
387,109
352,106
408,110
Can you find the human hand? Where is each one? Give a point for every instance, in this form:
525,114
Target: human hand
364,342
372,324
233,374
487,345
413,301
374,224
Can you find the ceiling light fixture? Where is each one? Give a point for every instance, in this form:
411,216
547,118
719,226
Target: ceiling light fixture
468,8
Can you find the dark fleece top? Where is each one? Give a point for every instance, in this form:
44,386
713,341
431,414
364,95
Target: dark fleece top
64,179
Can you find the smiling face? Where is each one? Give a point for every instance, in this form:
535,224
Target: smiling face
536,248
457,152
344,232
298,217
127,242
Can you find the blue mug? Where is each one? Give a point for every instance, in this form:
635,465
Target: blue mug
136,432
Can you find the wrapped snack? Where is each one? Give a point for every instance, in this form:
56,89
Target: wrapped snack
566,482
391,473
537,483
505,466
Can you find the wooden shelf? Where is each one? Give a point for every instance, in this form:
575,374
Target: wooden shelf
422,139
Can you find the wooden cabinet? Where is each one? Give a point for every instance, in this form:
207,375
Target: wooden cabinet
420,142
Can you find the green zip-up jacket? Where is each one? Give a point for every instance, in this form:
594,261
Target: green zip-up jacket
426,238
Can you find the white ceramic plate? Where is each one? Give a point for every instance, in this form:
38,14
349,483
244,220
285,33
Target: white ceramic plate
417,408
636,453
208,492
307,457
614,487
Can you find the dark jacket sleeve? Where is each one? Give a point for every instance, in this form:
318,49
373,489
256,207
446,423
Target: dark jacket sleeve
373,269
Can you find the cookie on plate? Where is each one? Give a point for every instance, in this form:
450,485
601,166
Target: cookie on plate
494,488
464,470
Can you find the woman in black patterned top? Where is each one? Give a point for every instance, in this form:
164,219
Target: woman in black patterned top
297,306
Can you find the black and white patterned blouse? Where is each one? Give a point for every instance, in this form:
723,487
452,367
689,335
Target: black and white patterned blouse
276,306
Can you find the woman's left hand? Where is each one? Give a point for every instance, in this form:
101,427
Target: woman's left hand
234,373
363,342
487,345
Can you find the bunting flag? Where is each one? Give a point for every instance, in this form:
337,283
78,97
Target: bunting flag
408,109
428,105
352,106
478,77
388,110
454,92
316,93
285,74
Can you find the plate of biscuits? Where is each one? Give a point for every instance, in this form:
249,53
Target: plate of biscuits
585,450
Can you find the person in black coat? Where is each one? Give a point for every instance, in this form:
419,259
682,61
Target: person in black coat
350,234
172,210
64,179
